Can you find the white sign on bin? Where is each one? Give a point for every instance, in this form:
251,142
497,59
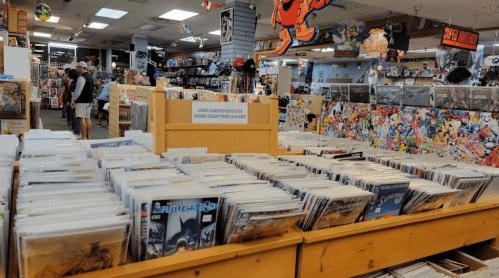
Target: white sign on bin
219,113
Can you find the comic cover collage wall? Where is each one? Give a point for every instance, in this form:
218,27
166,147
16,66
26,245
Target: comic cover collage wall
469,135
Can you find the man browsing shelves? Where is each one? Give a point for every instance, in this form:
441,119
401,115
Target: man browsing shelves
83,99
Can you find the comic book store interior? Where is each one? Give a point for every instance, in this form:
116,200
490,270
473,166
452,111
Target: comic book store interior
249,138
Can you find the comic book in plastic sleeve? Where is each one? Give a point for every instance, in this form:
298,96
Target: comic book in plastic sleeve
468,188
176,225
266,225
387,200
72,254
341,212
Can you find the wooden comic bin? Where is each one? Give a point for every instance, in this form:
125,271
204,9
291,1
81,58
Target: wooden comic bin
144,94
173,128
365,247
25,87
114,108
267,257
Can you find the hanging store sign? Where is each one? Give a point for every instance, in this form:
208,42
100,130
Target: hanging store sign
458,38
376,42
219,113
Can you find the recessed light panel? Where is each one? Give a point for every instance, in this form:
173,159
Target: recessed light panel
216,32
97,25
178,15
110,13
43,35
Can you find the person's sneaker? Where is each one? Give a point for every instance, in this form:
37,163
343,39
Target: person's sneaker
78,136
99,125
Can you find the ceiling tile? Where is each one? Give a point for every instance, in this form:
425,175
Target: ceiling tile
380,3
480,7
444,14
122,5
79,8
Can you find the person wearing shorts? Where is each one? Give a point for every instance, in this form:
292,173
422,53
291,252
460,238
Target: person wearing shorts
83,99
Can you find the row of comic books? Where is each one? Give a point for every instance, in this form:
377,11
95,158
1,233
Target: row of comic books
67,220
250,208
9,150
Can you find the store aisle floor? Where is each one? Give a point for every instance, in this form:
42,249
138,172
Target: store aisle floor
52,119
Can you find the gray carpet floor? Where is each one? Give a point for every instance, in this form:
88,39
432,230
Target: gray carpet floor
52,119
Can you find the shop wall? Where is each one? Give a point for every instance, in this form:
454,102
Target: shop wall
467,136
332,70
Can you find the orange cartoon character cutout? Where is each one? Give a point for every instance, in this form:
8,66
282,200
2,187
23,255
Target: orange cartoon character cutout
293,14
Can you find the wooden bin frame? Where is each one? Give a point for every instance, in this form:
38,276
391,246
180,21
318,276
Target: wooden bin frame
365,247
114,107
176,130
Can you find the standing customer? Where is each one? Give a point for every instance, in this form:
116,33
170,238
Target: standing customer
83,99
67,96
104,98
75,124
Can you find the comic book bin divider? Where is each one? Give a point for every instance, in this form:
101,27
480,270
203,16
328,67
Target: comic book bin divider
173,128
116,121
361,248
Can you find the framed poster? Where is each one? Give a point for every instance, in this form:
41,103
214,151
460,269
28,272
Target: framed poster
339,93
485,99
360,93
388,95
452,97
418,96
226,26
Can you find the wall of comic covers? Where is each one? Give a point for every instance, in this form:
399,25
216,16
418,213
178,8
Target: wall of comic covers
465,136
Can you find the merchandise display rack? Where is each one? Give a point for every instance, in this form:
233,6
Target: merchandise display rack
114,107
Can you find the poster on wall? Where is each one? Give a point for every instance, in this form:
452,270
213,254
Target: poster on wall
452,97
339,93
418,96
226,26
389,95
302,66
458,38
475,62
485,99
359,93
347,36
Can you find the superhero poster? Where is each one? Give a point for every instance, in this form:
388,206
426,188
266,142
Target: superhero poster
360,93
452,97
467,136
348,36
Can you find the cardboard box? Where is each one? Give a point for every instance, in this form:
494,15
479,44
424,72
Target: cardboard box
476,268
488,255
13,19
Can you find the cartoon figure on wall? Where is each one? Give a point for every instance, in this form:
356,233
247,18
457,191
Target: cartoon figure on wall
347,36
293,14
376,42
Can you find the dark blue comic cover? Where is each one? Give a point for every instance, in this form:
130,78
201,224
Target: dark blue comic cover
388,95
387,200
183,225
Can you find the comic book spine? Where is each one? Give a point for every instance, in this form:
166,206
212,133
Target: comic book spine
208,223
144,228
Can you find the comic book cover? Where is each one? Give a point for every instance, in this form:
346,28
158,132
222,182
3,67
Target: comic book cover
418,96
468,188
178,226
359,93
67,255
452,97
341,212
12,100
124,142
485,99
387,200
388,95
265,225
339,93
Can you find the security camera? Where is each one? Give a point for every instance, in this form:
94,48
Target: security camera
67,1
71,38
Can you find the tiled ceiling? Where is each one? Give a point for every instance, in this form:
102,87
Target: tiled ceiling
75,14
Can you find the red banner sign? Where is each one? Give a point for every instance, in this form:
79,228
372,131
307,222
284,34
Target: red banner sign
458,38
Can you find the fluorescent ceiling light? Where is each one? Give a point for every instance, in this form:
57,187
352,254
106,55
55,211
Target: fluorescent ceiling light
37,50
43,35
154,48
191,39
63,45
496,44
218,33
110,13
329,49
52,19
178,15
40,44
97,25
289,60
316,49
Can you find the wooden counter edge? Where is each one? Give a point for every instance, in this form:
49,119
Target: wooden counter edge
200,257
373,225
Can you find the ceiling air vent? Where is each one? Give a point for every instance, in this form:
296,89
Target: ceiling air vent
347,5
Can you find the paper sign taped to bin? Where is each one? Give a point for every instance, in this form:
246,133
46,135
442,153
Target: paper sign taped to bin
219,113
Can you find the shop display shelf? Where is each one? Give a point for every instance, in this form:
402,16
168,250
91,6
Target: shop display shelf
188,67
361,248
